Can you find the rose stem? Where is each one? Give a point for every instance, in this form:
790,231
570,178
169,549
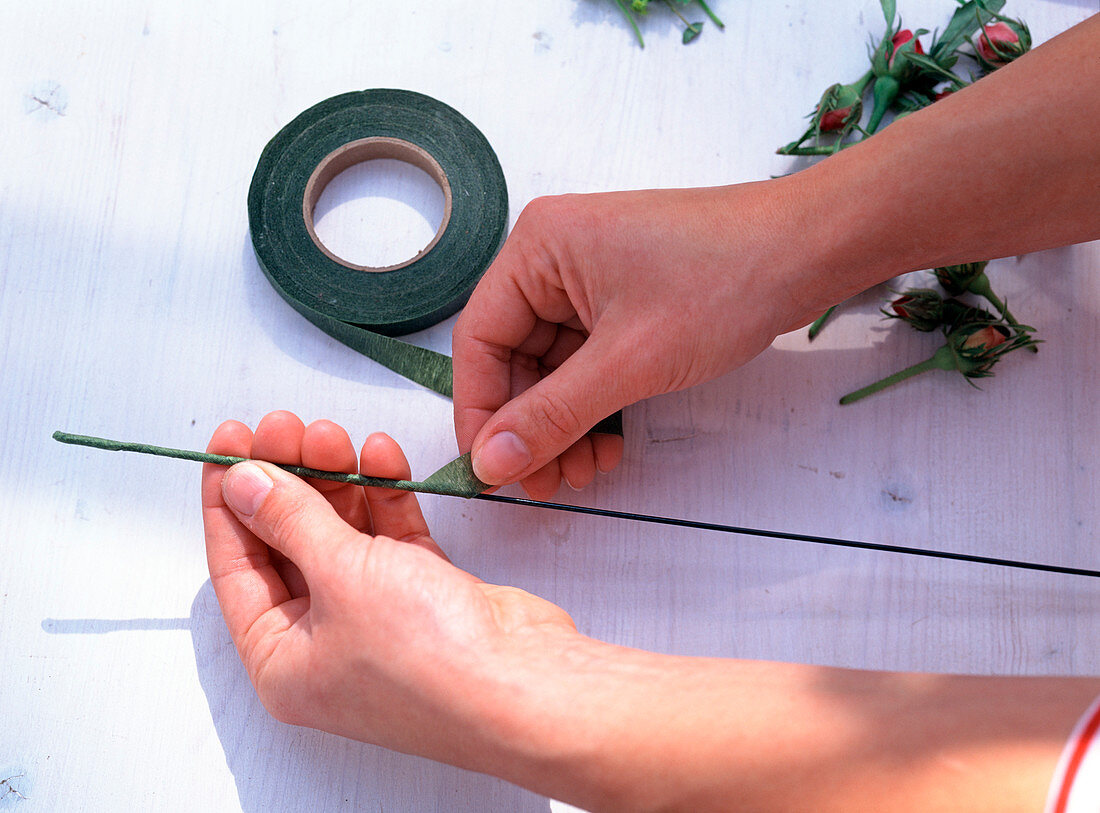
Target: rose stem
819,323
942,359
712,15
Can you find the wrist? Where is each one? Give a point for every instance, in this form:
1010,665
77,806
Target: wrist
561,718
607,727
850,238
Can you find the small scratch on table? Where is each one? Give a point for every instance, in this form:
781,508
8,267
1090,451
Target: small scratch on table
8,788
673,439
47,96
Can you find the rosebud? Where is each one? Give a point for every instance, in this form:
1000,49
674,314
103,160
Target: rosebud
900,39
1001,42
985,337
920,307
978,345
958,279
840,108
943,94
889,58
892,70
838,111
972,348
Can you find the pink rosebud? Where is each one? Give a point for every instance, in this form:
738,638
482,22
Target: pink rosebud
1001,42
986,337
997,35
899,39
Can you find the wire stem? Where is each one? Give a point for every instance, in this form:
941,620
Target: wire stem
407,485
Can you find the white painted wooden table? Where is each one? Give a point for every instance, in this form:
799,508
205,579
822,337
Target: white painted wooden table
131,306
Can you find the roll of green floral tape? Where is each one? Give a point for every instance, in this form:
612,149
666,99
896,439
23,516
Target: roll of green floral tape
361,306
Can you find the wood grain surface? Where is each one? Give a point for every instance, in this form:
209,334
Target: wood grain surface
131,306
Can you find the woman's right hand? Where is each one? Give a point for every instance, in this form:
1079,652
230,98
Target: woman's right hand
598,301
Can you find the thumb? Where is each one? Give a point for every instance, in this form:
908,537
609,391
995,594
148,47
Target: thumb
287,514
542,422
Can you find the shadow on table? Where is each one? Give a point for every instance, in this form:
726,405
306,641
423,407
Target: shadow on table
307,344
279,767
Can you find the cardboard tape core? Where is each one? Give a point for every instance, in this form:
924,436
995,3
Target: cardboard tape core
361,151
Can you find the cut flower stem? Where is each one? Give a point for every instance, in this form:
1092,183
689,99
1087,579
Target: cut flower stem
942,359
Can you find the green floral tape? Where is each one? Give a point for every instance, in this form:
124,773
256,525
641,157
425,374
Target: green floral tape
364,308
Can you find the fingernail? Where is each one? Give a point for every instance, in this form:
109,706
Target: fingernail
245,487
501,458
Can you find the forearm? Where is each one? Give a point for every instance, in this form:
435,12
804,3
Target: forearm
631,730
1006,166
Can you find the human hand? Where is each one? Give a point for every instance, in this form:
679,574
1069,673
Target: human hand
598,301
347,615
379,638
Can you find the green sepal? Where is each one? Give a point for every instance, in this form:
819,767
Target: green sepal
928,66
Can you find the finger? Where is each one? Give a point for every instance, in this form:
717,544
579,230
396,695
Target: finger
290,516
482,357
578,463
244,577
608,450
325,445
545,420
566,342
278,438
394,513
521,287
543,483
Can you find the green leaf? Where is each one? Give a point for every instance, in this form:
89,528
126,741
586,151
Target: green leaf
692,31
889,11
928,65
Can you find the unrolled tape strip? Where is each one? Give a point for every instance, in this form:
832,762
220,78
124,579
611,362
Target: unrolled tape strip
363,307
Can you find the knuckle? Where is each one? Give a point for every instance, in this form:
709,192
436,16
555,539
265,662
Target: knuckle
553,416
537,210
561,213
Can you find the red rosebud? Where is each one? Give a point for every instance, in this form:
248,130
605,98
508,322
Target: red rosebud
835,119
840,108
922,308
943,94
899,39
